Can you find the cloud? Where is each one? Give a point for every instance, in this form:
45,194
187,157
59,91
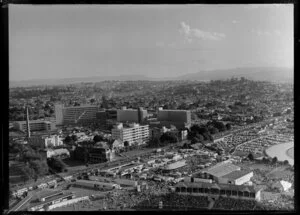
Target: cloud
235,21
266,33
256,6
191,34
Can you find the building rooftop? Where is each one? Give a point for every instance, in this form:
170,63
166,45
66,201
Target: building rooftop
51,199
219,186
47,194
237,174
221,169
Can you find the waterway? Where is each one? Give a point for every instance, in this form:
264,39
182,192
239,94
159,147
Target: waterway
283,151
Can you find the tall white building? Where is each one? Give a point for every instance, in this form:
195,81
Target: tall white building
134,134
75,114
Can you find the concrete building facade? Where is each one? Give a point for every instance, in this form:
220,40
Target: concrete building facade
35,125
178,118
134,134
75,114
131,115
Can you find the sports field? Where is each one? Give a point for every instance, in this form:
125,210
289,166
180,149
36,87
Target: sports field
284,151
290,152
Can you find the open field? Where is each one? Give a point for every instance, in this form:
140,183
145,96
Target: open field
290,152
280,151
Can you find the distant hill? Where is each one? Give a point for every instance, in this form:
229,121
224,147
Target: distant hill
273,74
62,81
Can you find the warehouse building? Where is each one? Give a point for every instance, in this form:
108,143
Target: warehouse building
51,200
215,190
224,173
96,185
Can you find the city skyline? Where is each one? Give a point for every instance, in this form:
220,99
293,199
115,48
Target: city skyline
60,41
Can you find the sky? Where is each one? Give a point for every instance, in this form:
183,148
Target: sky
66,41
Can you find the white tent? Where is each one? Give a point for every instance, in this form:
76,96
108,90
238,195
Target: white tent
283,185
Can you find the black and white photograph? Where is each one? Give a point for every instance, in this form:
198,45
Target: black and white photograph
151,107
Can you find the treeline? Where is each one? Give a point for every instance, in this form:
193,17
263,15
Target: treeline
201,133
27,94
36,164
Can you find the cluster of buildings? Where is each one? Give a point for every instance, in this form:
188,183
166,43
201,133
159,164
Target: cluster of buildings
222,179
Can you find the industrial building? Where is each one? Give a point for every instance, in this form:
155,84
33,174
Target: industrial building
75,114
131,115
35,125
175,165
179,118
133,134
45,141
215,190
51,199
224,173
96,184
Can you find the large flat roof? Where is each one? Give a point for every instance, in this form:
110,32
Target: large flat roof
49,194
51,199
221,169
237,174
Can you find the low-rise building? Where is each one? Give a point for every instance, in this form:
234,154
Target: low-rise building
45,141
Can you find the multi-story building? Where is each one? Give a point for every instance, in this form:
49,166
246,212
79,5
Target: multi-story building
178,118
134,134
75,114
35,125
107,117
131,115
94,153
45,141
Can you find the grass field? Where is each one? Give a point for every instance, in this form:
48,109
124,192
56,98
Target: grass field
290,152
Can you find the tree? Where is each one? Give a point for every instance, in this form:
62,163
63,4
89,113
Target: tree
169,137
219,125
199,137
228,126
57,164
92,101
97,138
68,139
213,130
274,160
156,141
285,162
40,167
126,144
74,137
250,156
